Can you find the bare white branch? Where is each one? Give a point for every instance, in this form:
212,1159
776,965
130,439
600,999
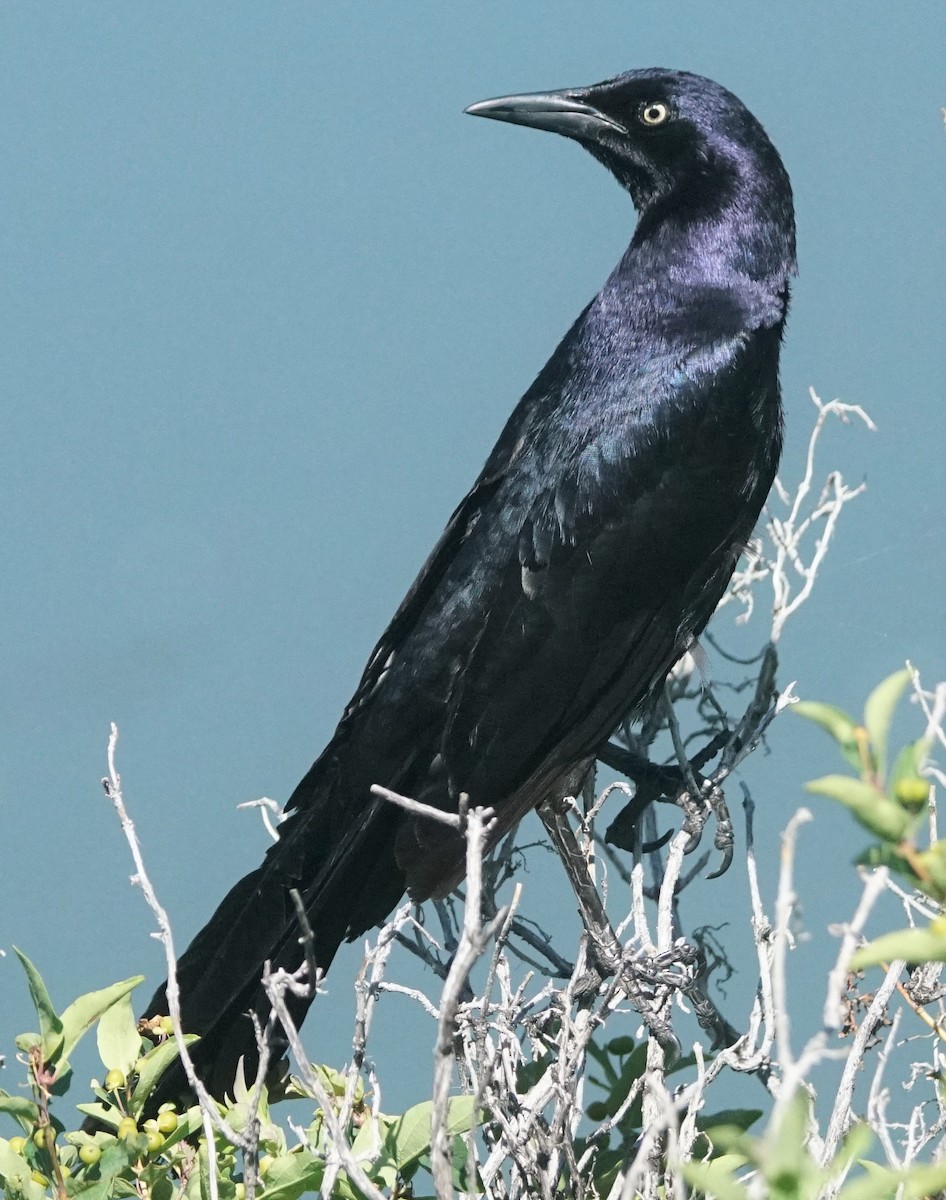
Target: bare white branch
209,1110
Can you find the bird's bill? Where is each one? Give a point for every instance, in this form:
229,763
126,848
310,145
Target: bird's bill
561,112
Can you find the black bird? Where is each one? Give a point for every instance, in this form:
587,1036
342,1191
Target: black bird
585,560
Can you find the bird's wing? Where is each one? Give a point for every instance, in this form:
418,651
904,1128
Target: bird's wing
479,503
589,552
621,558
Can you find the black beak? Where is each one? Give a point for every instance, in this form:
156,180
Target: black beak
561,112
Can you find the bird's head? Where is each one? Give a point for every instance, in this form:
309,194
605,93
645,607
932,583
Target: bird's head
678,142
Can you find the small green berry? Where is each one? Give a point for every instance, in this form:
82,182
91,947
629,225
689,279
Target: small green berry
17,1144
114,1080
65,1171
127,1128
89,1154
913,793
39,1137
155,1142
167,1026
150,1126
265,1163
167,1122
40,1178
239,1191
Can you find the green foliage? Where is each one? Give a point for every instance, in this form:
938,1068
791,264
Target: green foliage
781,1160
619,1066
891,804
167,1156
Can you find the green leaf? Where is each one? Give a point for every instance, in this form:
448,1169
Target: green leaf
334,1082
717,1177
238,1114
878,714
344,1190
21,1108
63,1080
854,1147
738,1118
914,945
909,762
15,1174
917,1182
924,1179
604,1170
458,1159
837,723
163,1188
368,1142
729,1139
109,1117
50,1026
783,1156
886,855
292,1174
409,1136
528,1074
84,1011
875,811
933,862
464,1179
192,1189
204,1152
371,1148
877,1184
618,1087
152,1066
118,1038
603,1059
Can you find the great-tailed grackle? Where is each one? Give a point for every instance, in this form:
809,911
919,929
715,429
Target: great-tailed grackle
586,558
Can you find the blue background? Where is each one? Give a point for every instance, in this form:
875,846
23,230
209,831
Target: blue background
267,300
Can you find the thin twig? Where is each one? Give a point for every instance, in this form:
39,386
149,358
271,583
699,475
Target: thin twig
208,1107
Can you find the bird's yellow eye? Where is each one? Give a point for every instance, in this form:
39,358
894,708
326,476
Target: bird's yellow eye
654,112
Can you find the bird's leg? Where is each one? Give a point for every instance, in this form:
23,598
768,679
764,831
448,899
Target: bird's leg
659,779
660,782
634,974
695,796
604,941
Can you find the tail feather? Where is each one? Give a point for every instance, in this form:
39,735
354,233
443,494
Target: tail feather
347,884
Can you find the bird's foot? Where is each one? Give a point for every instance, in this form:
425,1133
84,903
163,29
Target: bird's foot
673,784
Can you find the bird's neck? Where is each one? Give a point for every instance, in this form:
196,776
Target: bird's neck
736,240
741,256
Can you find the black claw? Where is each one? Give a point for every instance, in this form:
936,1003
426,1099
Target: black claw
669,1042
650,847
724,865
694,841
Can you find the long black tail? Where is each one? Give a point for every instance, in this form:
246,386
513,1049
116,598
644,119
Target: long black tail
342,864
